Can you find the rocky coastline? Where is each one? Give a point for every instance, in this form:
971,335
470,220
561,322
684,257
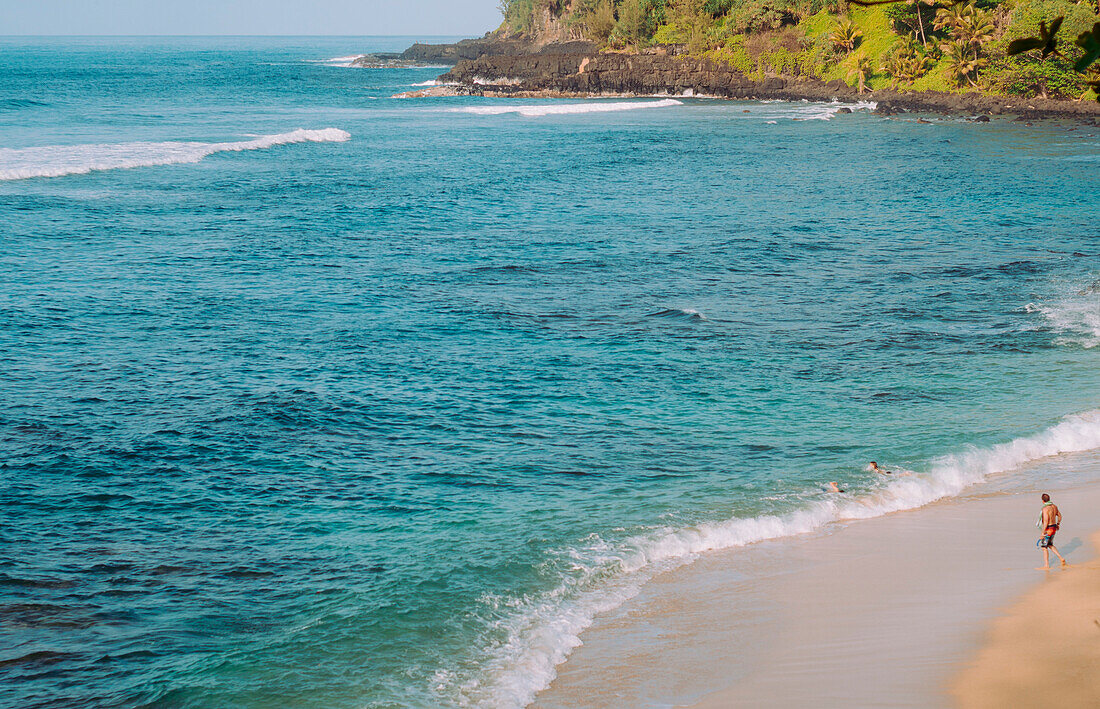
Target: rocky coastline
510,68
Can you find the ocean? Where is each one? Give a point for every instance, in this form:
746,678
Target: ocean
311,397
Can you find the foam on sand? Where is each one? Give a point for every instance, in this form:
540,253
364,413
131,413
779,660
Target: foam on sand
558,109
535,634
60,160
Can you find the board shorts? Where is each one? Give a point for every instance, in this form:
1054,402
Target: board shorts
1048,536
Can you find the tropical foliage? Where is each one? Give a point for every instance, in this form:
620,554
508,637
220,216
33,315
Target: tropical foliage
909,61
846,36
861,71
1028,47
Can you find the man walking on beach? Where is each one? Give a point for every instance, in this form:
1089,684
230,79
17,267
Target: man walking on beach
1049,519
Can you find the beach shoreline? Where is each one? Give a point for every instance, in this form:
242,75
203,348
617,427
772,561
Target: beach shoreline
878,612
1044,649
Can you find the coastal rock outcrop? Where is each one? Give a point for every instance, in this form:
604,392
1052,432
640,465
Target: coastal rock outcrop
658,72
558,70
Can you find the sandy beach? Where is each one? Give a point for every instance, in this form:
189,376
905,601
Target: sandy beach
883,612
1045,650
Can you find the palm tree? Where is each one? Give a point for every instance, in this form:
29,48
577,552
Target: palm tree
949,18
908,63
971,28
977,29
846,36
961,63
861,72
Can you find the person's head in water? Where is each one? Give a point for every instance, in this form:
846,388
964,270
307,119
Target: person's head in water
833,487
1046,497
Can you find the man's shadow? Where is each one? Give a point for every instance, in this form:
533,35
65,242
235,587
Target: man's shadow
1074,544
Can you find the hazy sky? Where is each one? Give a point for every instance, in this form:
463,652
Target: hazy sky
335,17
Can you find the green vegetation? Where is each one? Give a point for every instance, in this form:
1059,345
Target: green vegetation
995,46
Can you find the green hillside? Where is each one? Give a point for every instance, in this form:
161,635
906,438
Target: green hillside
915,45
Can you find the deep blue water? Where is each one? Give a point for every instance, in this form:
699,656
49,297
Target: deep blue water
382,413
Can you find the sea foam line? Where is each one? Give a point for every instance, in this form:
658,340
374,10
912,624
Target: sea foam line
558,109
541,631
60,160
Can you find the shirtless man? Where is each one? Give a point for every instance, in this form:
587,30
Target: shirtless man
1049,519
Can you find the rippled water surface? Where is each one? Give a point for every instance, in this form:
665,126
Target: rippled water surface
312,397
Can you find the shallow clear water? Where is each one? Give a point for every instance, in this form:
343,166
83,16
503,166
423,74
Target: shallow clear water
381,413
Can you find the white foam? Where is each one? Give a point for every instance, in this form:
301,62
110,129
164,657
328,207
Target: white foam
59,160
540,632
1076,318
824,112
338,61
559,109
810,111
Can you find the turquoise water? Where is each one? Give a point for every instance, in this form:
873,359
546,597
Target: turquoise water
316,398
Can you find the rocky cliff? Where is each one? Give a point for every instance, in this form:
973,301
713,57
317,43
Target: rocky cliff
667,71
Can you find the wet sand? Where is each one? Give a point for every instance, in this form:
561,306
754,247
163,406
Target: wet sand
1045,651
882,612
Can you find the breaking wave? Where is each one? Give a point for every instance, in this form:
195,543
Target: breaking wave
60,160
811,111
556,109
338,61
540,631
686,313
1075,318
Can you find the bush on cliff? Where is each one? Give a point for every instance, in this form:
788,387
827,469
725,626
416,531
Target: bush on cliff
638,20
599,21
756,16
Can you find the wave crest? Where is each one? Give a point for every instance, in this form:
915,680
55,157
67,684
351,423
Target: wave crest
61,160
557,109
541,631
686,313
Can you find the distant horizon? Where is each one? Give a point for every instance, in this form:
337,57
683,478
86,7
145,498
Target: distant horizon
319,36
250,18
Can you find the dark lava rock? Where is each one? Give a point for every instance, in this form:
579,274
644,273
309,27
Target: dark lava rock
511,67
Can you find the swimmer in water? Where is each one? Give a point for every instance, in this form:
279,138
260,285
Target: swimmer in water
833,487
873,467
